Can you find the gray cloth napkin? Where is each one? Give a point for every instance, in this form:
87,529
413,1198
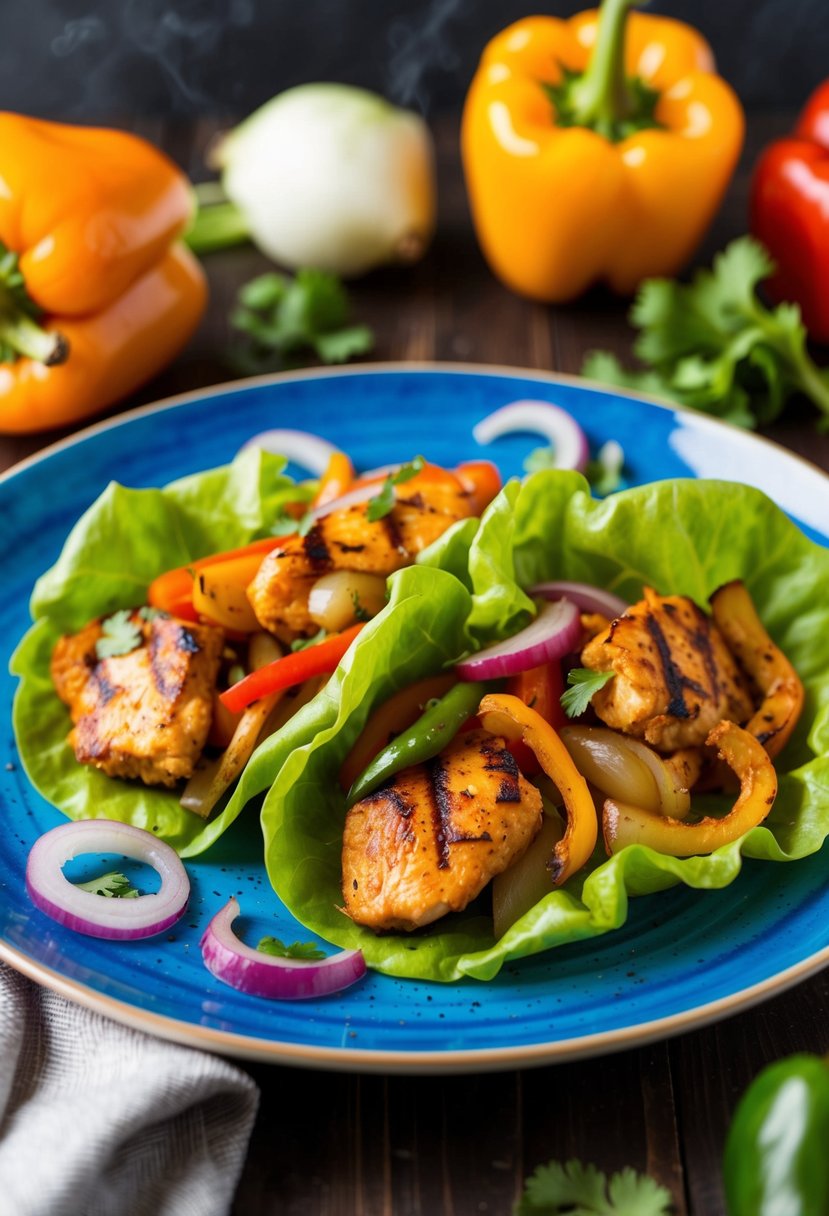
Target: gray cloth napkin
100,1120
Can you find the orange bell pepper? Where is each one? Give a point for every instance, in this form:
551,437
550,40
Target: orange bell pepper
596,149
96,293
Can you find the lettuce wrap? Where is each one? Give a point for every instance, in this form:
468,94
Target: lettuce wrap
681,537
119,545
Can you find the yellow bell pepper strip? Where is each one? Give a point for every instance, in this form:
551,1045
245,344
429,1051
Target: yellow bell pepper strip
507,716
596,149
96,292
320,659
623,825
336,479
737,620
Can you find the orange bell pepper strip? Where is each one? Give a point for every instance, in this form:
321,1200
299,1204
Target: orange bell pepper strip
96,292
175,587
335,481
322,658
505,715
596,149
481,480
541,689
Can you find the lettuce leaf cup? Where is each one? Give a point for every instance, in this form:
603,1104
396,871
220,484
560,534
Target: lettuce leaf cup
681,537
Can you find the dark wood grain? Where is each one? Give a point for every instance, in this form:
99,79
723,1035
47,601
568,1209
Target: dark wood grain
337,1145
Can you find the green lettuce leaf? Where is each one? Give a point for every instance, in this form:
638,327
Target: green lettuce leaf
681,537
118,546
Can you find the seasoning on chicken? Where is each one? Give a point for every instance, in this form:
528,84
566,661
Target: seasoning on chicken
145,713
347,540
675,677
431,839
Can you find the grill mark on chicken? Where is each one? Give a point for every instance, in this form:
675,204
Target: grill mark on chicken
182,639
106,689
393,532
675,680
508,791
445,833
344,548
500,761
316,550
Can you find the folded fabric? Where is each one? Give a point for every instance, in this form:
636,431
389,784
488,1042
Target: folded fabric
100,1120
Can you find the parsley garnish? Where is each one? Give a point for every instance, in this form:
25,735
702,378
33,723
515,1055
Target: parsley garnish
112,886
583,683
283,319
583,1190
360,613
712,345
119,635
301,950
383,502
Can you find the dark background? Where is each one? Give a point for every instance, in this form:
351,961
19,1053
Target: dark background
95,59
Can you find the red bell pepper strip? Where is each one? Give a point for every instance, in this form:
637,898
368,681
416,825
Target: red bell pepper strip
790,213
317,660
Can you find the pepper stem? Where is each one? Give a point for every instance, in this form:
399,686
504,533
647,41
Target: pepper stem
603,98
22,335
218,223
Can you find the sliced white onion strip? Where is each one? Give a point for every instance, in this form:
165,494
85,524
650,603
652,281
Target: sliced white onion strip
299,447
351,498
258,974
554,633
85,912
626,769
560,429
585,597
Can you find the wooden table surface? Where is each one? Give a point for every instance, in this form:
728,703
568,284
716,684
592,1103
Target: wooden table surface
328,1144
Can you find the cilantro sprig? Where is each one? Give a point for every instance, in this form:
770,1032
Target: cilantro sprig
301,950
713,345
584,682
111,886
120,634
383,502
583,1190
283,320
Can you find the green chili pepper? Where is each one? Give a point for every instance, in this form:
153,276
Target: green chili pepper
433,730
776,1160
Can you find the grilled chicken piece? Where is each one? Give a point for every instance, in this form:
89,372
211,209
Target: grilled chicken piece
143,714
347,540
675,677
429,841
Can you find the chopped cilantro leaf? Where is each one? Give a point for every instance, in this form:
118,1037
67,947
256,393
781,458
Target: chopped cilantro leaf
360,613
583,1190
383,502
583,684
282,320
119,635
300,950
112,886
711,344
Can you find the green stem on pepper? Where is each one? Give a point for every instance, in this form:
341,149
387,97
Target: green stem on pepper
20,332
217,222
603,97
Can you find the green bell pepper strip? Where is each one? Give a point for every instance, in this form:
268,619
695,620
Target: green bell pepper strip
434,729
776,1160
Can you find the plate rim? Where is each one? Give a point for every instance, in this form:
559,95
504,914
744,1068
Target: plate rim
355,1059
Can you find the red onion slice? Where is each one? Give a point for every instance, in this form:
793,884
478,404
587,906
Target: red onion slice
585,597
553,633
299,447
257,974
554,424
85,912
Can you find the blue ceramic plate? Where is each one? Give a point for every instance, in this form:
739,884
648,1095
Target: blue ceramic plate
683,958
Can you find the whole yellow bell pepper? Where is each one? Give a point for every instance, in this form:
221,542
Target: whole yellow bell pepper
97,290
596,149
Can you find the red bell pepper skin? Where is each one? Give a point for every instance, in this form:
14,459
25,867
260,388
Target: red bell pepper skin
790,214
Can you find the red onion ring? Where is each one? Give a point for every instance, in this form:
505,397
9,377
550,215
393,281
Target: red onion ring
299,447
257,974
585,597
553,633
560,429
85,912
